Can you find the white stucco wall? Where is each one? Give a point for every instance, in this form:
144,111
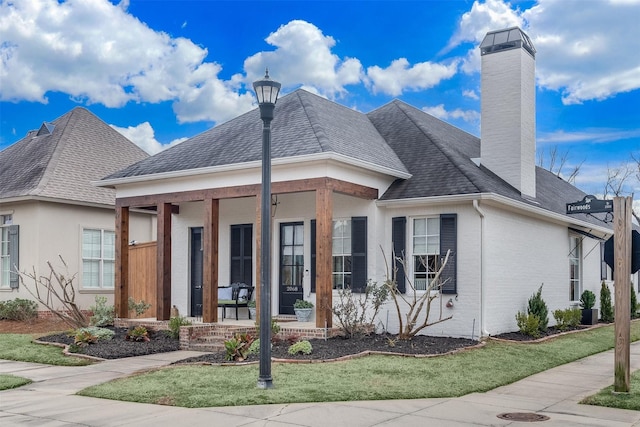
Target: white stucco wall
48,230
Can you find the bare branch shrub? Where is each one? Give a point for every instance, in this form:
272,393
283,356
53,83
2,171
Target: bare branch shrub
352,310
56,292
416,304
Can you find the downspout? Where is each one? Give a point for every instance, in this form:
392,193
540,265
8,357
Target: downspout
483,331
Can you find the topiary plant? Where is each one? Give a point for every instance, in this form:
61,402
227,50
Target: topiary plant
587,300
606,309
538,307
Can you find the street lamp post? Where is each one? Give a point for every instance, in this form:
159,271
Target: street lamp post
267,93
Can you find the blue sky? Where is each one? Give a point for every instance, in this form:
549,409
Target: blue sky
161,71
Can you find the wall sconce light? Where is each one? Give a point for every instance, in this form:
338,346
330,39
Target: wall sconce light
450,303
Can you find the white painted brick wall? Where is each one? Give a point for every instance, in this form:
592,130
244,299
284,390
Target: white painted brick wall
508,117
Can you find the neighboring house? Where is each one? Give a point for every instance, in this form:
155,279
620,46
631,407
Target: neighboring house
349,189
50,208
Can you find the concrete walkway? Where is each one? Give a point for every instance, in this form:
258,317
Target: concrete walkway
50,401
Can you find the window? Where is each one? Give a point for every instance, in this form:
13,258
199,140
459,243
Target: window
342,254
425,251
8,253
98,259
575,267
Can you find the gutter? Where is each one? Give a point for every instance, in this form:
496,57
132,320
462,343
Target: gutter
483,331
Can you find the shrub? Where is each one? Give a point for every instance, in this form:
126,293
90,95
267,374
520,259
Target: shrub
254,348
138,307
528,324
606,309
18,309
587,300
302,304
137,334
102,313
357,312
237,348
84,337
275,329
568,318
538,307
301,347
174,325
634,303
99,333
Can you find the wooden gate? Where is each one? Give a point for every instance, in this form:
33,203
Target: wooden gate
142,276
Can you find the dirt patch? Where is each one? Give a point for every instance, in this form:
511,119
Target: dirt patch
39,325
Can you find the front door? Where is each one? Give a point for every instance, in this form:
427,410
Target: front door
291,265
196,271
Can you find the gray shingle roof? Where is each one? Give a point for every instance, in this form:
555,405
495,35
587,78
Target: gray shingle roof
304,124
62,158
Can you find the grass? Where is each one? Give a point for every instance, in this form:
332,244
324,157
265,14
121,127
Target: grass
21,348
9,381
606,397
369,378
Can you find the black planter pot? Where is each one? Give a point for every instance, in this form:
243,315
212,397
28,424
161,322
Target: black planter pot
589,316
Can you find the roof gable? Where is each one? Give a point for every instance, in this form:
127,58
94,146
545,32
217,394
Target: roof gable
63,157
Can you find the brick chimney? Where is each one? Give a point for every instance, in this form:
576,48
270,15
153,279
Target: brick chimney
508,111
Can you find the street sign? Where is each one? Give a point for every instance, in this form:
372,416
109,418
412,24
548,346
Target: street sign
635,252
590,205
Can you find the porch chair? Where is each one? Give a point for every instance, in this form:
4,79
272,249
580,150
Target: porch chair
236,295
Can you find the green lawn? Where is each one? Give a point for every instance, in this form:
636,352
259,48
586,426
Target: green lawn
21,348
10,381
369,378
606,397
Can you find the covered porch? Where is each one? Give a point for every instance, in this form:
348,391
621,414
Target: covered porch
168,204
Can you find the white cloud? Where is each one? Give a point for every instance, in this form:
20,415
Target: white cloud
470,94
98,53
303,55
440,112
400,76
143,136
597,135
586,53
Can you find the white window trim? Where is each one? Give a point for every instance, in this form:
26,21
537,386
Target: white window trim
580,263
101,287
333,273
3,226
410,255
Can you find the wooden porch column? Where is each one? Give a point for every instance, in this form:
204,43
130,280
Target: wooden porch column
324,235
121,295
258,237
210,255
163,266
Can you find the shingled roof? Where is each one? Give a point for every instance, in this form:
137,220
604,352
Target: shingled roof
304,124
63,157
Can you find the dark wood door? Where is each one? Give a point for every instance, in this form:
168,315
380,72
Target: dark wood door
291,265
196,271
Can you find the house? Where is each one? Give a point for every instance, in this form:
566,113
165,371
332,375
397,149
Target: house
350,189
50,208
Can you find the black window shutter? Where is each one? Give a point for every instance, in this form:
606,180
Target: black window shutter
399,240
241,253
313,255
14,256
448,241
358,253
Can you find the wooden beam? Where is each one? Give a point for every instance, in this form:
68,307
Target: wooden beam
251,190
622,289
121,295
324,228
210,256
163,266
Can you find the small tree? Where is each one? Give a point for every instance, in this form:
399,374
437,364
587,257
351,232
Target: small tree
538,308
606,309
416,305
57,293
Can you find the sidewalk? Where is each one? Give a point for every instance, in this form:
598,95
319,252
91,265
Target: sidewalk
50,401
